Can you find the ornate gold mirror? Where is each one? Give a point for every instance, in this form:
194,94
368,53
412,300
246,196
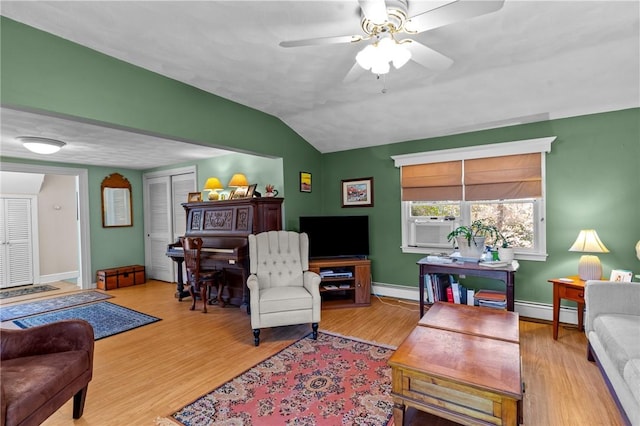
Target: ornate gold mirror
116,201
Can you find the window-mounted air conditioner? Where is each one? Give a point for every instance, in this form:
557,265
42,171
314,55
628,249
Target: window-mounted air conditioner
431,232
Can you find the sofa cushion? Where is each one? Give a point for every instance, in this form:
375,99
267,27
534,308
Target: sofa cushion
280,299
619,336
30,382
632,377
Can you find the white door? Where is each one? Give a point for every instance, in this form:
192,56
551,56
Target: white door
165,221
159,228
16,258
181,186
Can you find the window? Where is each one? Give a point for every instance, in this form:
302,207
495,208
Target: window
499,183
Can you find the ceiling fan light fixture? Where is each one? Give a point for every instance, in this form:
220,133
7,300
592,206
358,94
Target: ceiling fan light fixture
377,56
40,145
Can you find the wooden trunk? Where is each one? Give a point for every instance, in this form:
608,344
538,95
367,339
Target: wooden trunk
123,276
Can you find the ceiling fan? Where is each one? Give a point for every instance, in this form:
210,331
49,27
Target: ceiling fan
384,22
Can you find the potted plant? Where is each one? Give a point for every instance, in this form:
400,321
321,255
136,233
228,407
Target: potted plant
471,239
505,252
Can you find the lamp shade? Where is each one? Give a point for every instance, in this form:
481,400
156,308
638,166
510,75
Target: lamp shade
589,267
238,180
40,145
589,242
212,184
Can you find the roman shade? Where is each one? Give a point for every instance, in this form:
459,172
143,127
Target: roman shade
433,181
491,178
502,178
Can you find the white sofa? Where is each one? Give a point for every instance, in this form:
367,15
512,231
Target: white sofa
613,332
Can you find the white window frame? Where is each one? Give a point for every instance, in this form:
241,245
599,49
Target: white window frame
529,146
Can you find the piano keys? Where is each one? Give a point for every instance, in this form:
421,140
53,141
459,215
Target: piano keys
224,227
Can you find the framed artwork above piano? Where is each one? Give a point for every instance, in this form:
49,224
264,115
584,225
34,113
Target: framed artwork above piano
224,227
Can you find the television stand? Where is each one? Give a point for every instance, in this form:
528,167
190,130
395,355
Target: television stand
346,282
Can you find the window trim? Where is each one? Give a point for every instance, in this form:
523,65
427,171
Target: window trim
528,146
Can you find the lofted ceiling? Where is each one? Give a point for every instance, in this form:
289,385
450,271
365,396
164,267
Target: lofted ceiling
529,61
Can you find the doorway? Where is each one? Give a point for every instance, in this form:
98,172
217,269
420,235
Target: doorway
82,194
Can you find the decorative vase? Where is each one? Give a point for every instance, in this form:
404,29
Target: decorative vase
506,254
473,251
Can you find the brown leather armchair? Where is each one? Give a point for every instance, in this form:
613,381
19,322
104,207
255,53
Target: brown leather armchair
42,368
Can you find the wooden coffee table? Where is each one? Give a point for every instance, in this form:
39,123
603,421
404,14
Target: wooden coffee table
475,320
467,378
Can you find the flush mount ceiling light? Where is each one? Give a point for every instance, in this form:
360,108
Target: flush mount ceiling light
40,145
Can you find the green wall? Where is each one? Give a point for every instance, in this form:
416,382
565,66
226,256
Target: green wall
592,171
44,73
593,181
109,246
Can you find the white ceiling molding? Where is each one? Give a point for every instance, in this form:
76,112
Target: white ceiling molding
527,146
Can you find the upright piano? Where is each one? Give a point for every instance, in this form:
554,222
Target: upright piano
224,227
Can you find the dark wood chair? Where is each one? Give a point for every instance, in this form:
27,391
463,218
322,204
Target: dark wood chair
201,280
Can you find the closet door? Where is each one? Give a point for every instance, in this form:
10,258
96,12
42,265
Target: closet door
159,228
16,260
165,221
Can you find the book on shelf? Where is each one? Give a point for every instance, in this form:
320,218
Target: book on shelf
491,296
470,297
344,286
493,304
428,285
449,294
455,290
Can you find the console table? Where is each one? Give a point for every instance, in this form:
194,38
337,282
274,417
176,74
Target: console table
505,274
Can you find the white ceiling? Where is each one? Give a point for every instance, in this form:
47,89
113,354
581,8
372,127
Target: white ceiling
529,61
94,144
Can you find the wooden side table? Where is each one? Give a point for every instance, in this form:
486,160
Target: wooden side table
570,288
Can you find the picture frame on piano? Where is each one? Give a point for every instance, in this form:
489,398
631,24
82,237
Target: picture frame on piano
194,197
251,189
240,192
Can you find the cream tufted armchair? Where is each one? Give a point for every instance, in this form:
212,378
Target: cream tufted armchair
282,289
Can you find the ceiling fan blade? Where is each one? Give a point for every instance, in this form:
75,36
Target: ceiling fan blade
427,57
450,13
374,10
321,41
354,73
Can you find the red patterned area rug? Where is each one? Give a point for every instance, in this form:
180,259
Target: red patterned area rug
331,381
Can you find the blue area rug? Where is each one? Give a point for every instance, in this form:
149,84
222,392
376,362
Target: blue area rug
27,309
31,289
106,318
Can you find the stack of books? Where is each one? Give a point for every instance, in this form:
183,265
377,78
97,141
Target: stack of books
491,299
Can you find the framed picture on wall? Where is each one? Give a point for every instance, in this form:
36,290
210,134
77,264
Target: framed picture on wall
194,197
305,182
357,192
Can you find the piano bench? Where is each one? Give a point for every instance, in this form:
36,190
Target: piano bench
123,276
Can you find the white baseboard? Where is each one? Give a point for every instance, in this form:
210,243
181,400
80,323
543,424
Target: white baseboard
541,311
70,275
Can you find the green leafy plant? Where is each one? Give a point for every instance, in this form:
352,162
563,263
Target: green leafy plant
477,229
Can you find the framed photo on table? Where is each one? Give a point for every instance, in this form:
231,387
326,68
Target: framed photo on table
621,275
357,192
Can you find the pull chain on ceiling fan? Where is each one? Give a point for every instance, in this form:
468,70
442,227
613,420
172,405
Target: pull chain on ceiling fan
383,23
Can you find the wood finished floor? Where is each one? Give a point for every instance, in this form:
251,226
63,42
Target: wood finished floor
154,370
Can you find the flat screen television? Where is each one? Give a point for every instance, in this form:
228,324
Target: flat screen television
336,236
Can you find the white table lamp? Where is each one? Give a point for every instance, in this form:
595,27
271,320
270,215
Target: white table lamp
589,267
